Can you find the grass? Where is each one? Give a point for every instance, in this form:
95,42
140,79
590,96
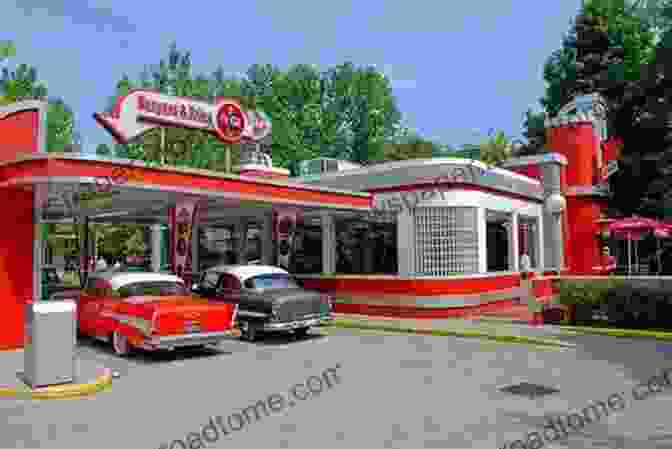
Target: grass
518,339
601,329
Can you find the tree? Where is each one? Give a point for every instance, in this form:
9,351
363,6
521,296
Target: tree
534,130
22,84
174,76
415,148
103,150
607,45
496,148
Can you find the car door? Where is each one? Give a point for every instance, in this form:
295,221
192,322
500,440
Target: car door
228,288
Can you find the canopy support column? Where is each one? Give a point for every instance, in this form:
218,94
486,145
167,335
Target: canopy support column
328,244
267,247
157,236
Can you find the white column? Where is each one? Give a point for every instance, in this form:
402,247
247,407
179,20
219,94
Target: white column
156,247
241,232
328,244
513,233
406,243
540,246
482,232
267,247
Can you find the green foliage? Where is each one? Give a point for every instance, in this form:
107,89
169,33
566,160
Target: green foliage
414,148
496,148
590,292
625,26
345,112
22,84
60,126
7,50
135,245
626,29
103,150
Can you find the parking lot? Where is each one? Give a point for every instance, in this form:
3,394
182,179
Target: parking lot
392,391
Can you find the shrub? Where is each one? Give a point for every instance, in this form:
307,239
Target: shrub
639,306
593,293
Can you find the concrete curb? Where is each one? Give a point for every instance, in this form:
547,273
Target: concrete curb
519,339
69,391
617,333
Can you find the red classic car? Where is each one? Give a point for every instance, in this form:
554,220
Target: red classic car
150,311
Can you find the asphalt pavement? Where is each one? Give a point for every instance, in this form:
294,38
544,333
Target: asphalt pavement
385,391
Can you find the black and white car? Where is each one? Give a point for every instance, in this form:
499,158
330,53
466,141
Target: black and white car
269,299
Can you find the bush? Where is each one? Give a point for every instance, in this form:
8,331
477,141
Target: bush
639,307
593,293
584,297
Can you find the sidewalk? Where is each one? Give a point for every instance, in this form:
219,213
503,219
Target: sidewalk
499,328
89,378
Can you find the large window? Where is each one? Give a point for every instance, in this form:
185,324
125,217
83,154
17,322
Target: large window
446,240
498,241
528,239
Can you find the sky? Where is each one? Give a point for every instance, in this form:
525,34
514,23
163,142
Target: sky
458,69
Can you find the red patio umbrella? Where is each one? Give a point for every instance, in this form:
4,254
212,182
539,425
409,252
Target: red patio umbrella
634,228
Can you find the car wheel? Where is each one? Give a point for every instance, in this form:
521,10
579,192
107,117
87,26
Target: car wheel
301,332
248,331
120,344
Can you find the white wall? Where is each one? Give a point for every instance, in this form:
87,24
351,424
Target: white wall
467,198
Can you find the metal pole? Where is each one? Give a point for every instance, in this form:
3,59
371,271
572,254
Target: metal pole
163,146
227,160
629,256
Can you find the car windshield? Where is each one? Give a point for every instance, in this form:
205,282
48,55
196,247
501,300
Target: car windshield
51,276
270,281
153,288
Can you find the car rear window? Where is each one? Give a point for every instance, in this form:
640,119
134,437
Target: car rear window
152,288
270,281
52,276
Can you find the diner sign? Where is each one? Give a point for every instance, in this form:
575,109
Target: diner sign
143,110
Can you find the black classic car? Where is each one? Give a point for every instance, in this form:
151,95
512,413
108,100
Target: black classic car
269,299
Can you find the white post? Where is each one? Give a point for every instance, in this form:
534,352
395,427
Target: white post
406,243
514,264
328,244
482,233
156,247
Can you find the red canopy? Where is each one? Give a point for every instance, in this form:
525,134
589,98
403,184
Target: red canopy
634,228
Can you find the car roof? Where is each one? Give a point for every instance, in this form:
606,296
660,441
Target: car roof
244,272
118,280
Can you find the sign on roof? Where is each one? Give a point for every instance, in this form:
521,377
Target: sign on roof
143,110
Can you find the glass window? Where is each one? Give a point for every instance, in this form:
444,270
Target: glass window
51,276
210,279
446,240
271,282
229,282
153,288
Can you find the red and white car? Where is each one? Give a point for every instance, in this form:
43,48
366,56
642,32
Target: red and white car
151,311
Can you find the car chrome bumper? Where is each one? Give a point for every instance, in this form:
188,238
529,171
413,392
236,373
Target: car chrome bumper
196,339
292,325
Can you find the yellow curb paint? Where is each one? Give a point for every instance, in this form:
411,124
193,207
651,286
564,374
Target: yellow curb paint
104,381
503,338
